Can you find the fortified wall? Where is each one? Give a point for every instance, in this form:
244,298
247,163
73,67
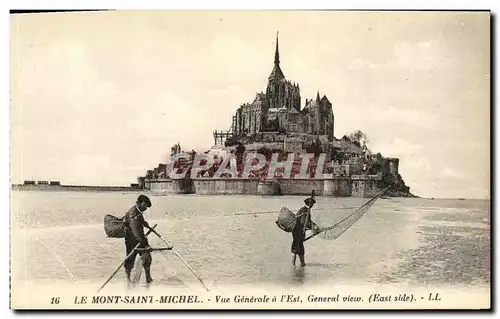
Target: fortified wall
365,185
340,186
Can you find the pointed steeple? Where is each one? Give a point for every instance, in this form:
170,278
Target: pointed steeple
277,52
317,97
276,73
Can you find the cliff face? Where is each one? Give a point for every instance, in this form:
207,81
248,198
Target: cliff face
397,186
389,167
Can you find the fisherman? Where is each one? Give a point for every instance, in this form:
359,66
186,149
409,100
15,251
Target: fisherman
303,223
134,234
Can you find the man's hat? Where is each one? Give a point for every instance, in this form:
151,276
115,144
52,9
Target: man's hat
310,201
144,198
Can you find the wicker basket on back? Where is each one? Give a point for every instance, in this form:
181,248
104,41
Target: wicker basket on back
114,226
286,220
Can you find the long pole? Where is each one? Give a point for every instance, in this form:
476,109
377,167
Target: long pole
308,217
123,262
180,257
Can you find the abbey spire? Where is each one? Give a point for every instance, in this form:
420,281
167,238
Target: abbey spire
277,52
276,73
281,93
279,110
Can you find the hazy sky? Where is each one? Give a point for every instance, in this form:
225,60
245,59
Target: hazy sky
99,98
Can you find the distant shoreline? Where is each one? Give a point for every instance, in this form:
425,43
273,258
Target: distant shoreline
76,188
90,188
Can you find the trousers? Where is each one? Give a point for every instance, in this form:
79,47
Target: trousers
298,241
130,243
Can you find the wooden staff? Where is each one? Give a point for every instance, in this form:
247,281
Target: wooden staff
153,249
180,257
123,262
308,211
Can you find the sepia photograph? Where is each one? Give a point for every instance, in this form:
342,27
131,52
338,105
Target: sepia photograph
281,159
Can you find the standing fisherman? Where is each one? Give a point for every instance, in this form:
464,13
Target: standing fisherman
134,234
303,223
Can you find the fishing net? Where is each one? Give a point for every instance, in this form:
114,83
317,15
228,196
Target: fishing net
114,226
137,270
333,231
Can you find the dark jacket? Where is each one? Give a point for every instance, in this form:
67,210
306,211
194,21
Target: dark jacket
304,221
134,221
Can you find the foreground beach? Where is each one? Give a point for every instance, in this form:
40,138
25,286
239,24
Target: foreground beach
405,244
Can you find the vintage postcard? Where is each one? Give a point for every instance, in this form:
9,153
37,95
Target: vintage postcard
250,160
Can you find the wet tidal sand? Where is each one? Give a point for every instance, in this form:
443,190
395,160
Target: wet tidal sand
59,237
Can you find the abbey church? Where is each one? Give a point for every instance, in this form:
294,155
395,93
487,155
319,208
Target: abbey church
280,110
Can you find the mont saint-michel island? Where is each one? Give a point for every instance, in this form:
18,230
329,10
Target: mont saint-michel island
278,144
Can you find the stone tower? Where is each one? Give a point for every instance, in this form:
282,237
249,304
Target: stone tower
280,92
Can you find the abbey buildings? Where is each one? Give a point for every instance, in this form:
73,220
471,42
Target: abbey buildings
280,110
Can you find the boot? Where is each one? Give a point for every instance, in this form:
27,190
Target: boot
302,261
294,259
149,279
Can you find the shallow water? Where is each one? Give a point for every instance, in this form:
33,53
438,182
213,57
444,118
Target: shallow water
59,236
